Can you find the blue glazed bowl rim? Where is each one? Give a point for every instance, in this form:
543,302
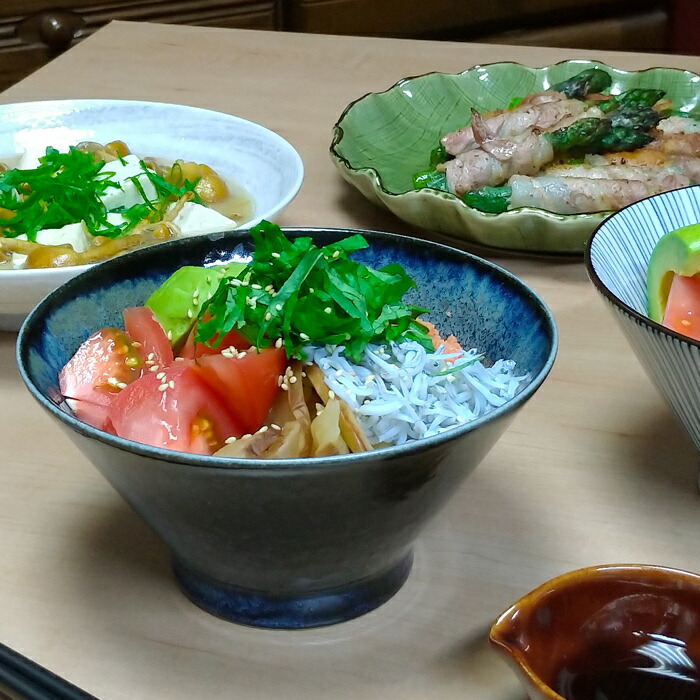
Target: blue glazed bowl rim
295,465
602,288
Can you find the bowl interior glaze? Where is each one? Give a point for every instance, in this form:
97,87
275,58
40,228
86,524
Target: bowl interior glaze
605,622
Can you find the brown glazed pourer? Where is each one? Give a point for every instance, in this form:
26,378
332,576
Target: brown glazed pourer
613,632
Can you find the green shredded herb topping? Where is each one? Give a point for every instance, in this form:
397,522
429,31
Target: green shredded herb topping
68,187
63,189
307,295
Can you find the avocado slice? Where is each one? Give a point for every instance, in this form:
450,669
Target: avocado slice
675,252
172,303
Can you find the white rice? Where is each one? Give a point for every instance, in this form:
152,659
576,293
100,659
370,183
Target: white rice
404,392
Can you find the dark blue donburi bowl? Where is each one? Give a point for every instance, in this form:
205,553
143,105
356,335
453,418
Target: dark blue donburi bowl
299,542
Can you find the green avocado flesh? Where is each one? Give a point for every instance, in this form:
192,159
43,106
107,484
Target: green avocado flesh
172,301
676,252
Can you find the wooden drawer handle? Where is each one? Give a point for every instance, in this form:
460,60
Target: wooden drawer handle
54,28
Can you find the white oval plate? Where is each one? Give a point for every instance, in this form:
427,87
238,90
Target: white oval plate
259,160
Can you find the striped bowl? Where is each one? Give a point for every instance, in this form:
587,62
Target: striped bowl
617,256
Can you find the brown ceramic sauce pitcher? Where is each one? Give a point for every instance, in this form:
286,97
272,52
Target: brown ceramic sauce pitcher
614,632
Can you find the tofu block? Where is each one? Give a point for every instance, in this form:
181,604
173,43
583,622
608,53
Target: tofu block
30,158
129,194
74,235
194,219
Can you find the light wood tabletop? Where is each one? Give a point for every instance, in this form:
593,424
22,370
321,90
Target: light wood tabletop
593,470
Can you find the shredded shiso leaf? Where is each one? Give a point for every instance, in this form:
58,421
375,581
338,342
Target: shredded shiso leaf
308,295
401,391
68,187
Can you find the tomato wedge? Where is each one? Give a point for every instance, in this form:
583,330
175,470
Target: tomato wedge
192,349
93,414
248,382
683,306
174,408
102,366
143,327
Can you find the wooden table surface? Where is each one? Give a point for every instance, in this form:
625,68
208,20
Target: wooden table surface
593,470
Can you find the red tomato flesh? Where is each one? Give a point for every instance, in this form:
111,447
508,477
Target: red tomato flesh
143,327
191,349
175,409
106,362
247,383
683,306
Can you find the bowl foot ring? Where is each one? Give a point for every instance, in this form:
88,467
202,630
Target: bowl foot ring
295,612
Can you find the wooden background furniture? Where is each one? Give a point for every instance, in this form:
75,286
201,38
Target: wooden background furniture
595,469
33,32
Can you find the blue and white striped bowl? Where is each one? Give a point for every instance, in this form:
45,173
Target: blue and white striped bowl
617,257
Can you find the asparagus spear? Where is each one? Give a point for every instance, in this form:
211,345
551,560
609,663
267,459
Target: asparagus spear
430,178
585,82
635,117
579,136
592,135
640,97
492,200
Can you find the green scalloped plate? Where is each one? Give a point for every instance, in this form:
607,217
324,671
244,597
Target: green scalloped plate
383,138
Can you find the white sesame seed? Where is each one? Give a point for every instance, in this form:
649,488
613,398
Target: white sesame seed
292,380
195,301
336,253
328,310
136,344
255,286
278,343
236,282
241,355
155,368
263,429
170,335
189,313
163,387
311,290
247,435
278,307
303,336
275,255
331,394
195,294
121,385
231,439
150,356
179,359
268,316
284,387
160,375
274,426
171,384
